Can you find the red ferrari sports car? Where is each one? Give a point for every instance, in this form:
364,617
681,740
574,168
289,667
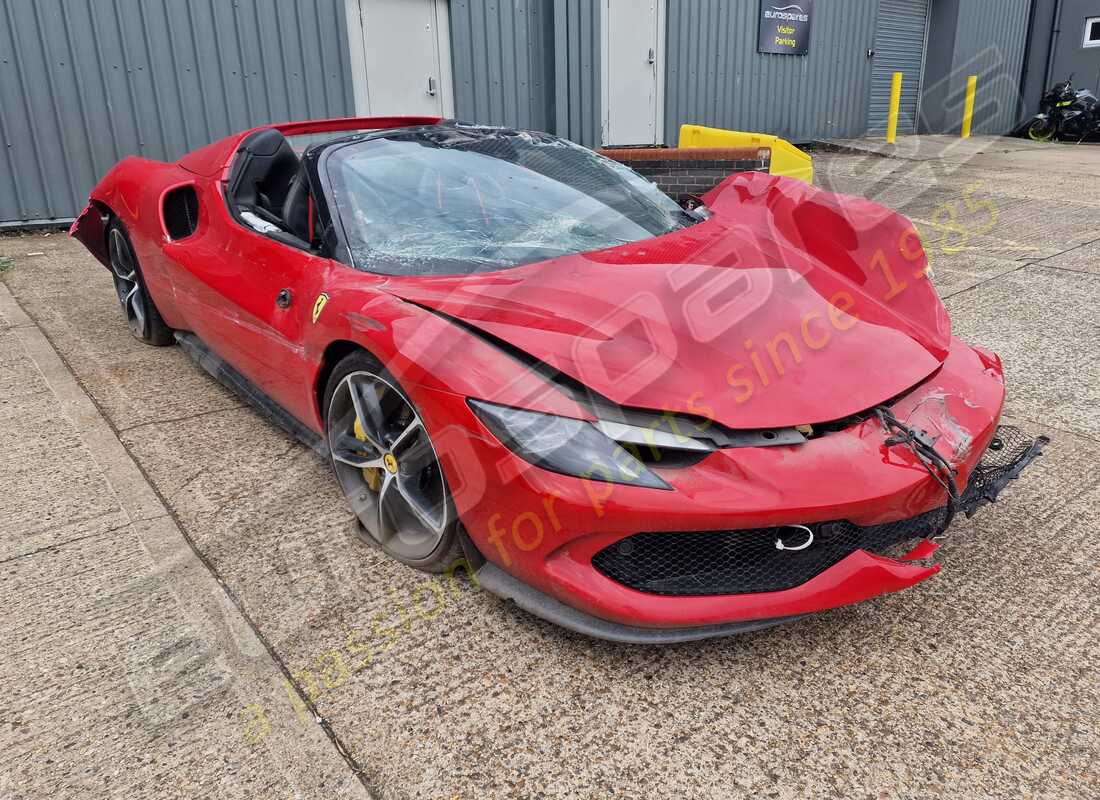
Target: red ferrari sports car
644,423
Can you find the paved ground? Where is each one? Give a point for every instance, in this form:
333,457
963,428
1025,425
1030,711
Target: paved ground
995,152
168,560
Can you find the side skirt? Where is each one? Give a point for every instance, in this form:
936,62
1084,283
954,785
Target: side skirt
227,376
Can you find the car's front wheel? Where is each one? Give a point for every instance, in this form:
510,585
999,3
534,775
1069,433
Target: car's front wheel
141,313
387,466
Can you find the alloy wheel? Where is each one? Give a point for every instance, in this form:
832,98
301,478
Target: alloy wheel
387,466
127,287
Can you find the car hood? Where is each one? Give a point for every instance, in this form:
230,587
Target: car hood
789,306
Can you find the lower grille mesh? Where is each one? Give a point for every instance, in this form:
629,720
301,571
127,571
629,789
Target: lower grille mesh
1010,451
747,561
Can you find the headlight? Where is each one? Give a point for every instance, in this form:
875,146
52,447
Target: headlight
568,446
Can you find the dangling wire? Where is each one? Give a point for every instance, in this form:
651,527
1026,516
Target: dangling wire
922,446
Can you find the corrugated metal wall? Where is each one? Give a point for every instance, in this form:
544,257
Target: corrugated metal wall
529,64
989,42
85,83
577,70
1070,57
715,76
900,29
503,55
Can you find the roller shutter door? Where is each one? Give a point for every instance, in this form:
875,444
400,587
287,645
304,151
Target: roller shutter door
900,34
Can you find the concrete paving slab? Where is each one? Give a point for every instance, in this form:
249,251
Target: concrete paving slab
114,370
58,479
48,534
1043,324
1011,226
128,670
943,147
1085,258
980,212
992,154
1061,159
957,271
883,179
17,383
112,691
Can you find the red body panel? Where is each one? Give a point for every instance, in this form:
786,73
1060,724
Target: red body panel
756,315
790,306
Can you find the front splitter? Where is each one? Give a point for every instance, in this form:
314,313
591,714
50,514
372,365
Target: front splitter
503,585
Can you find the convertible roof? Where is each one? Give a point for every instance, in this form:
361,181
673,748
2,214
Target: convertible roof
212,160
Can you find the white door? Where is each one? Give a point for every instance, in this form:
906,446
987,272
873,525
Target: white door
633,73
404,57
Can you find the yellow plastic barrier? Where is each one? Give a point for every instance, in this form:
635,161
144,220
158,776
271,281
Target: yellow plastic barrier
786,158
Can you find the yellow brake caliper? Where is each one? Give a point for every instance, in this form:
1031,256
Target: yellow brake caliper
370,474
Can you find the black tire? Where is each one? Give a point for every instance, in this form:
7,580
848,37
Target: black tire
410,540
142,316
1041,130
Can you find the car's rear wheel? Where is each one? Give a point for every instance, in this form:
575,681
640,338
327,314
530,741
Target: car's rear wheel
141,312
387,466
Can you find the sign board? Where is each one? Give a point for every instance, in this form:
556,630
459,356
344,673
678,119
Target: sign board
784,27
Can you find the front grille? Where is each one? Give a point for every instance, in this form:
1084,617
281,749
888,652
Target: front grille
747,561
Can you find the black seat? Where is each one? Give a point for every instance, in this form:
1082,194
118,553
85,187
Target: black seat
263,171
297,208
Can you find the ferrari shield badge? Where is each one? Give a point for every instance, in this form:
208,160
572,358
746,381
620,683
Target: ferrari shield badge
319,306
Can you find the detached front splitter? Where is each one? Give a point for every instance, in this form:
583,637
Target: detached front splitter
503,585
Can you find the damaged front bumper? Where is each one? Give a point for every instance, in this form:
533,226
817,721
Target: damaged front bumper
707,554
860,558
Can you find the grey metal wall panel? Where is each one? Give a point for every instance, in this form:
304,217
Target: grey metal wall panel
504,62
83,84
714,76
1070,55
989,42
900,30
1037,53
939,58
577,70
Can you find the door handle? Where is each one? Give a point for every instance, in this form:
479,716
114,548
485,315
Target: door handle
282,300
431,86
652,56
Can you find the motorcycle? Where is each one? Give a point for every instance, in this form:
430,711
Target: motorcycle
1065,112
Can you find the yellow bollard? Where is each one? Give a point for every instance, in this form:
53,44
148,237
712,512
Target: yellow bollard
895,105
968,108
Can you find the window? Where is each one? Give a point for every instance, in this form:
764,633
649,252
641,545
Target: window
455,201
181,212
1092,32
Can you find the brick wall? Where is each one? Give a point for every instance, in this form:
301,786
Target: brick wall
688,173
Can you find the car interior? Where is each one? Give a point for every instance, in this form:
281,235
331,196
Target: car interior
269,189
